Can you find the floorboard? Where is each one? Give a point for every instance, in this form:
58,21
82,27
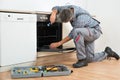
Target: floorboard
104,70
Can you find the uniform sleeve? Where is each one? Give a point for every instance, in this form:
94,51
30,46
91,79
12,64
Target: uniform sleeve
56,7
71,34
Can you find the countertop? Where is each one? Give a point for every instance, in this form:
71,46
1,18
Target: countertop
25,12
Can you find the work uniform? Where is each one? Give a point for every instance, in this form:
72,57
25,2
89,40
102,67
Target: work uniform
85,31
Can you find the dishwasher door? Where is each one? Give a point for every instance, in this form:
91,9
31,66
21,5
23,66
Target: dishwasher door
17,38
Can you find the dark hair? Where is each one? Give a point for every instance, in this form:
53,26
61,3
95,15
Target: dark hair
66,15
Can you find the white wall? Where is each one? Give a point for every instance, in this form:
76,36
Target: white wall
108,12
17,5
33,5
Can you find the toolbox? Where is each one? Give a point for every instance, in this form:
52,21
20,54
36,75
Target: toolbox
40,71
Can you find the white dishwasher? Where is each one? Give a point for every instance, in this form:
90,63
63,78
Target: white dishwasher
17,38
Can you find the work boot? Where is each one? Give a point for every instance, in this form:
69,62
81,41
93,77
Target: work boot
80,63
111,53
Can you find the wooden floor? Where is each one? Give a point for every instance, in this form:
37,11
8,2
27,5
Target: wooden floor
105,70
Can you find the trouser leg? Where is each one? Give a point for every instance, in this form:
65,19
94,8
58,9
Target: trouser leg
80,47
99,56
91,55
79,36
89,48
84,41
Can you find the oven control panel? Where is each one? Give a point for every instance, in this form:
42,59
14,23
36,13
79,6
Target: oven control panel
43,17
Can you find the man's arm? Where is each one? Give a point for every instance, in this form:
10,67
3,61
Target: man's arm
66,39
53,16
57,44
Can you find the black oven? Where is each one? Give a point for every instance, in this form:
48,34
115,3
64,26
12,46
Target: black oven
47,33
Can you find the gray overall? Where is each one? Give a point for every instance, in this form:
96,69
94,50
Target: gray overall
84,33
84,41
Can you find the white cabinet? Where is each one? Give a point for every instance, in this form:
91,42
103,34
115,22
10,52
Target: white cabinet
17,38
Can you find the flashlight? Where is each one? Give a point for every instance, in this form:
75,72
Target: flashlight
49,24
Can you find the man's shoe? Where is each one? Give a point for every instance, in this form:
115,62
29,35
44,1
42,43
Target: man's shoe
111,53
80,63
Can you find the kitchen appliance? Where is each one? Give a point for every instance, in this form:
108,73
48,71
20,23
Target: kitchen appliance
17,38
47,33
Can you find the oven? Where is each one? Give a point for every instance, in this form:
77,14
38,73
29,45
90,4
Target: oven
47,33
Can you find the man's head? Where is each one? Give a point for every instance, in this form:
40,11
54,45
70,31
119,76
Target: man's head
66,15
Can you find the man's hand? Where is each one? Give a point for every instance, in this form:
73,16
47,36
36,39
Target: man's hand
53,16
52,19
55,45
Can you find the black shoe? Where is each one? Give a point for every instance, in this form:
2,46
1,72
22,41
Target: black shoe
80,63
111,53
